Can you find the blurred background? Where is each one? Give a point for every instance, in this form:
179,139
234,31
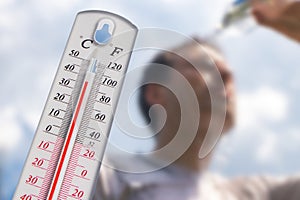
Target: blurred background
266,138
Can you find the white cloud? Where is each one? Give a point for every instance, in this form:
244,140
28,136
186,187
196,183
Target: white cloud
260,106
178,3
14,24
289,141
256,138
257,109
51,7
266,149
5,3
275,149
10,130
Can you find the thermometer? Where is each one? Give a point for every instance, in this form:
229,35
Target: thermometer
65,156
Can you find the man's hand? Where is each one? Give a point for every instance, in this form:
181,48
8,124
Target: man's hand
280,15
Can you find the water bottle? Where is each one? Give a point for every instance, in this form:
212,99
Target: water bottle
237,18
238,11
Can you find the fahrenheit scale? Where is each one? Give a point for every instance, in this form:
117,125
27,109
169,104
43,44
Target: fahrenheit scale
69,143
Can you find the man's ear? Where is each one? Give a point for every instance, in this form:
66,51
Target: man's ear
154,94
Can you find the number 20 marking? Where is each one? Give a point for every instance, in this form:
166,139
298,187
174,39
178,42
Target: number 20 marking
38,162
78,193
89,154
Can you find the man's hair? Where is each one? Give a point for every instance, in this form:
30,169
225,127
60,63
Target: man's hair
168,58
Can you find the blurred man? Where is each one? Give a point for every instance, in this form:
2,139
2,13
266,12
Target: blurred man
187,178
280,15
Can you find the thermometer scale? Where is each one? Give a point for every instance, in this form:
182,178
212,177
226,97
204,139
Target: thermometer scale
64,159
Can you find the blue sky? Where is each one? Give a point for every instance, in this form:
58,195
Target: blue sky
33,35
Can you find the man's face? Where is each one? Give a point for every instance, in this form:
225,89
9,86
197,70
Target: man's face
207,76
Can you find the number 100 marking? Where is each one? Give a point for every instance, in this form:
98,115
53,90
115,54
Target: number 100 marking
109,82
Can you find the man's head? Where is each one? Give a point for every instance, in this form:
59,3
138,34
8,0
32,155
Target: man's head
201,54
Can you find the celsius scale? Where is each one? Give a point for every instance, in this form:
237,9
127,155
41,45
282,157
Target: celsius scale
65,156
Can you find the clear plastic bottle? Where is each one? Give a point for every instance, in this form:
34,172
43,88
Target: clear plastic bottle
237,12
237,18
